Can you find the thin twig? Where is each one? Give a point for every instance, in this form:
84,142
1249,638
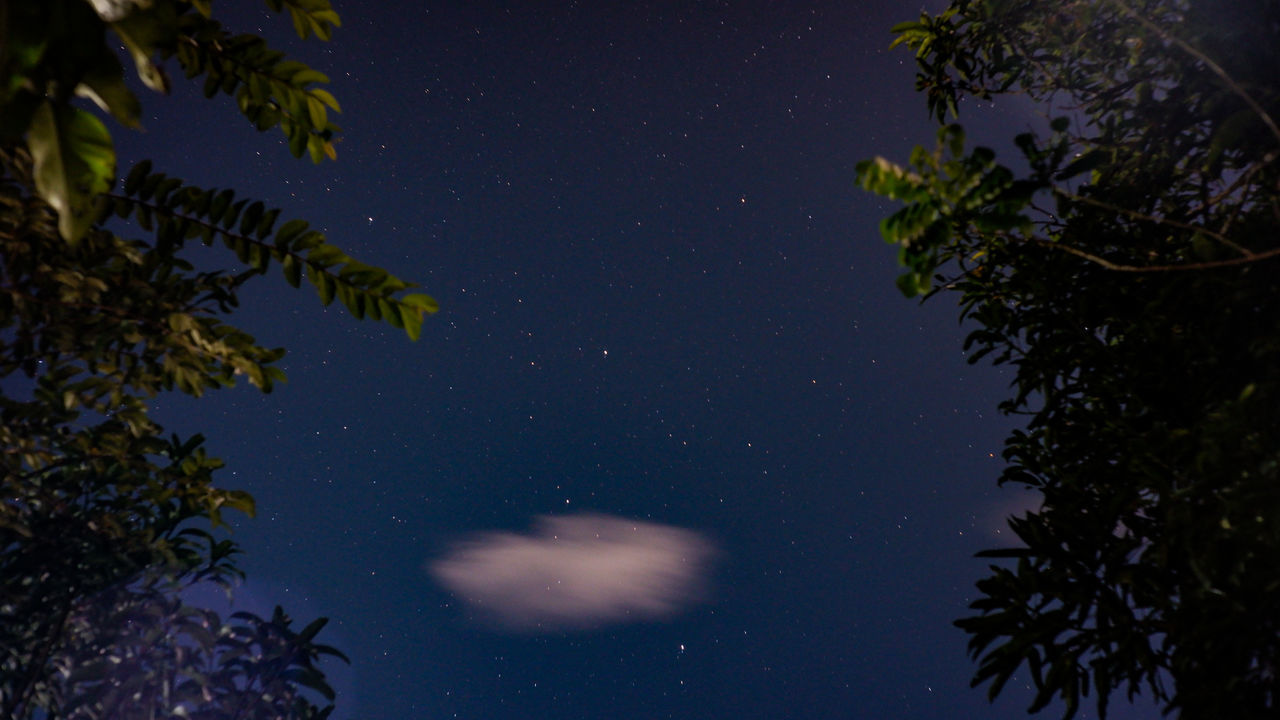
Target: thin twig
1256,257
1235,185
1247,253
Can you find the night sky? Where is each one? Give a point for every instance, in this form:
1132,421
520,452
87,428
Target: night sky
667,316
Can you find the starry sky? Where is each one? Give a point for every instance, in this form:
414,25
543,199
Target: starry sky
671,373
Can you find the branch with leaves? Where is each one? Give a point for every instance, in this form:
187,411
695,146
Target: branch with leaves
102,517
1127,277
178,212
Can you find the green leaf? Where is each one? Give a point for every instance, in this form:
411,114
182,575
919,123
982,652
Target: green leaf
292,270
233,214
289,231
300,24
266,223
325,255
221,205
391,312
149,186
104,85
164,188
325,97
240,500
326,16
298,137
316,112
259,257
913,284
354,298
422,302
241,248
211,84
137,174
1203,248
411,319
411,310
307,75
250,217
144,33
287,69
73,162
325,285
1229,133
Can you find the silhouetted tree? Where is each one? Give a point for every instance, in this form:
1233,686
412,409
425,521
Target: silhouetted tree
1131,277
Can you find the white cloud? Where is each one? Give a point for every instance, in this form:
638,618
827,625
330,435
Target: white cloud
578,571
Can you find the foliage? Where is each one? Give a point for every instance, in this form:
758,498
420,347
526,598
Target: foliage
101,512
1130,275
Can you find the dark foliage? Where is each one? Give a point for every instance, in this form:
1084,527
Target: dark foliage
105,520
1132,279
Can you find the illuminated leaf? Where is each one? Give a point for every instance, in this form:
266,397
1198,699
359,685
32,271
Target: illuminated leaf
74,161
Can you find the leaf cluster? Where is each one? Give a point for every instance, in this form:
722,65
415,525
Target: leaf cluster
269,89
1129,278
104,519
178,212
61,49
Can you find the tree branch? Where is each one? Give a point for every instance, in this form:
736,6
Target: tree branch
1117,267
1247,253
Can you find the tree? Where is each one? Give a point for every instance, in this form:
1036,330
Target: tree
1131,277
105,519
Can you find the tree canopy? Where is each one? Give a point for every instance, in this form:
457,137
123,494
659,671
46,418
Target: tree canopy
104,518
1130,276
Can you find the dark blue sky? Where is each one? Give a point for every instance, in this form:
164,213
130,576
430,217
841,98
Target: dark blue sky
662,299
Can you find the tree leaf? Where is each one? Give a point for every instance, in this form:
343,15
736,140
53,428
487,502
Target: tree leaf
292,270
104,84
325,97
74,161
425,303
144,32
411,319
